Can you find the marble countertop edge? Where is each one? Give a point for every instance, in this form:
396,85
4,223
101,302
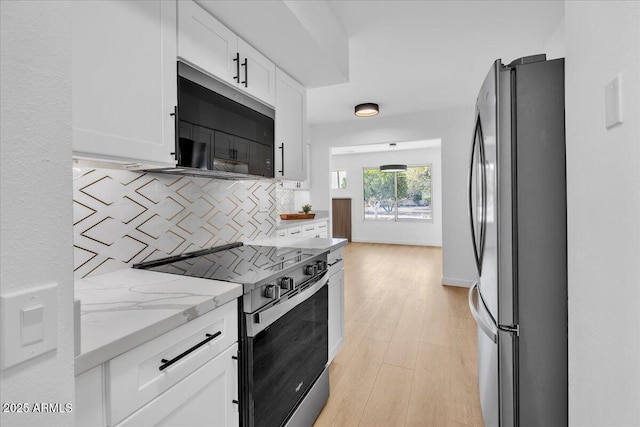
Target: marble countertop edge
113,323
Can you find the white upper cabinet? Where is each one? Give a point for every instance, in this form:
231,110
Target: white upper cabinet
306,184
290,128
257,73
207,44
124,81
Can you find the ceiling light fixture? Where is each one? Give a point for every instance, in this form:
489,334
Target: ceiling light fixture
368,109
393,168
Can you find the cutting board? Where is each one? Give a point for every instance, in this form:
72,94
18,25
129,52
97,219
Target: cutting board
297,216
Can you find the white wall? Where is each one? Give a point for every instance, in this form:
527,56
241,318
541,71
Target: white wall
406,233
35,153
454,127
603,189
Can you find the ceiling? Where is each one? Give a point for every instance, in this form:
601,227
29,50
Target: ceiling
407,56
387,147
411,56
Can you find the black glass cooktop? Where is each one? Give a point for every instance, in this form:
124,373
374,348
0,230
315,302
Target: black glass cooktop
237,263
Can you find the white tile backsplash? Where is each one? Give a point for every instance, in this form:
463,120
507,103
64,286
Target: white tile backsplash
123,217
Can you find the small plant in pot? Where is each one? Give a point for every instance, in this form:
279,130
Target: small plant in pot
306,208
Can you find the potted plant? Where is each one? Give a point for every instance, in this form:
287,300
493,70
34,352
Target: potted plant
306,208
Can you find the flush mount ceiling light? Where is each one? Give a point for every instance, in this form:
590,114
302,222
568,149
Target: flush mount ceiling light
393,168
368,109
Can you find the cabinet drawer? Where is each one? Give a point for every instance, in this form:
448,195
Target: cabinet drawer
335,259
135,377
294,231
309,230
207,397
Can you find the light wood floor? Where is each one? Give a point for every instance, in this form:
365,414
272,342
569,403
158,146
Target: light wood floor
409,357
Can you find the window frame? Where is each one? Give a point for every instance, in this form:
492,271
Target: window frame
395,218
337,172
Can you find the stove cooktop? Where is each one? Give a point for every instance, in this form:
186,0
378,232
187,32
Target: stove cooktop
237,263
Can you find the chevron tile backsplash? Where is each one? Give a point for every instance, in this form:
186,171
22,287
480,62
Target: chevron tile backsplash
121,217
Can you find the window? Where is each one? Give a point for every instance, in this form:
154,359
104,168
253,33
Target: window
398,196
339,179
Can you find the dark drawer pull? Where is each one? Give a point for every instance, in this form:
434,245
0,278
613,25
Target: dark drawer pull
166,363
337,261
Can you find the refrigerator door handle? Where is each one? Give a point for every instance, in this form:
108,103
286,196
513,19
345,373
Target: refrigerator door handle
490,330
478,235
476,252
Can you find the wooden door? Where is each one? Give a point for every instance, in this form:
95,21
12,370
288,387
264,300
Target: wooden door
341,212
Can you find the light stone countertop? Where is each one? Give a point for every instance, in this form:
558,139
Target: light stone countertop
320,216
331,244
123,309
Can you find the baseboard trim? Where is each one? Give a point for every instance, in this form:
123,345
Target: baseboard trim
397,242
462,283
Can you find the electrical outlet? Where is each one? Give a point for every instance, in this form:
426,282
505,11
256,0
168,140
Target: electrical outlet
265,204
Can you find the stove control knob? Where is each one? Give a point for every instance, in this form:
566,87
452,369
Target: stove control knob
287,283
272,291
310,270
322,265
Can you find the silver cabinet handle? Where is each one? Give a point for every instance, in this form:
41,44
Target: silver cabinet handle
489,330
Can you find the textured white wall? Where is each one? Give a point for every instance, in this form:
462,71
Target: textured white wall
603,189
454,127
35,153
406,233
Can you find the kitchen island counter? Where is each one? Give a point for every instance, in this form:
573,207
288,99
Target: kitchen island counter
123,309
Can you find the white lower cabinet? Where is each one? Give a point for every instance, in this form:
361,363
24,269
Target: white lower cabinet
322,229
294,231
336,302
90,398
185,377
205,398
311,229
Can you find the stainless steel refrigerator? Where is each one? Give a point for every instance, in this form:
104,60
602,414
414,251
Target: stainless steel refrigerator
517,206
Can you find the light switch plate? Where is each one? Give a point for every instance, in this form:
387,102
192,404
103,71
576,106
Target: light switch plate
613,101
29,324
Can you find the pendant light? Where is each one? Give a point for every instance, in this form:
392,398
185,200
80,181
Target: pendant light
393,168
368,109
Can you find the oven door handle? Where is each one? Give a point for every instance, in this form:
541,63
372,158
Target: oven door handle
263,318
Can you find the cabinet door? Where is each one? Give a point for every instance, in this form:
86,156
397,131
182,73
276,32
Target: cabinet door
90,398
206,43
124,80
336,313
291,100
257,73
322,229
205,398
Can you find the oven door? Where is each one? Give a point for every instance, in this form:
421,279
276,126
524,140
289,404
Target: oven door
287,356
